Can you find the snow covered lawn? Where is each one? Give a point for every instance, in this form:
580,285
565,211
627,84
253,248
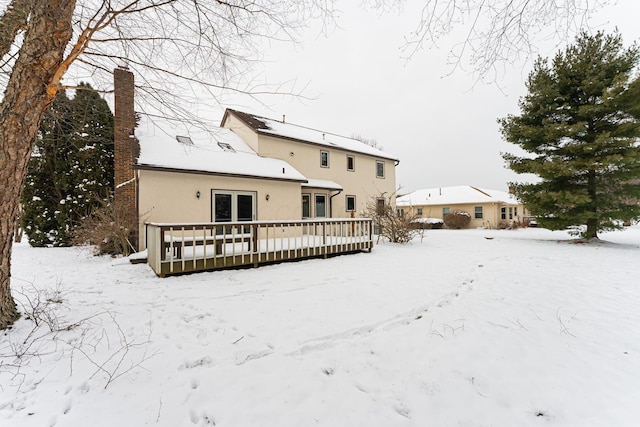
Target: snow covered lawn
466,328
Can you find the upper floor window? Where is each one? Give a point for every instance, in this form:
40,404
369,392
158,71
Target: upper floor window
478,212
379,169
324,159
351,163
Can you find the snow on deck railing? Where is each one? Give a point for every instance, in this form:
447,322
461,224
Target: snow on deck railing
175,248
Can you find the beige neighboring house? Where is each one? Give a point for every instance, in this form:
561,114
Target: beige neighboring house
251,169
487,208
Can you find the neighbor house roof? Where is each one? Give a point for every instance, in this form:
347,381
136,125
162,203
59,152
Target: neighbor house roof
266,126
213,150
454,196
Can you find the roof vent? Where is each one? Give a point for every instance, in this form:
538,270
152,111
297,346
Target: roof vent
186,140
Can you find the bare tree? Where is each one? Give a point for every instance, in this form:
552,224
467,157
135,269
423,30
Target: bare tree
197,46
495,31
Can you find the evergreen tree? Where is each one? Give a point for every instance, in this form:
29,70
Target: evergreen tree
580,124
71,169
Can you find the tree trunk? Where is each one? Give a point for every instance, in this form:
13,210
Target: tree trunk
592,223
30,90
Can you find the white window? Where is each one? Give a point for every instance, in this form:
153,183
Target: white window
445,212
324,159
379,169
306,205
351,203
478,212
400,212
321,205
419,212
233,206
351,163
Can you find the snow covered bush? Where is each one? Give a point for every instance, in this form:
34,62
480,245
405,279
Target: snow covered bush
457,219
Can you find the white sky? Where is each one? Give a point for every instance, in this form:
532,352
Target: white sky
443,128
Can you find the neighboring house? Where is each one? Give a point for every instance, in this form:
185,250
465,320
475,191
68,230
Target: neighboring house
252,169
343,174
487,208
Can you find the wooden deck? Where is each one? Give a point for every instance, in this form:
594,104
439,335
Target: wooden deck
185,248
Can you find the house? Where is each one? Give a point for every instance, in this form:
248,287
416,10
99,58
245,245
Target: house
250,169
343,174
487,208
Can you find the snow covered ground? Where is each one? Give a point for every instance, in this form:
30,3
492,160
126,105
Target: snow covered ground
466,328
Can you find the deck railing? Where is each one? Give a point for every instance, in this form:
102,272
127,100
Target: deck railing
181,248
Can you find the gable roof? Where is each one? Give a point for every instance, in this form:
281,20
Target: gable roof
266,126
454,196
208,153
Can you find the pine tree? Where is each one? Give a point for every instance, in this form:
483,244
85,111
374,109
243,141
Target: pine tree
71,169
580,124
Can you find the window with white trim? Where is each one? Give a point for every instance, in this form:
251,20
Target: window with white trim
321,205
306,205
478,212
351,163
379,169
324,159
351,203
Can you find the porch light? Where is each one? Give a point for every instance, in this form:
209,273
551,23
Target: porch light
198,194
266,197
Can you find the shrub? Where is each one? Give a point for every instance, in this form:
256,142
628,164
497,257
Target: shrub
398,229
457,219
108,229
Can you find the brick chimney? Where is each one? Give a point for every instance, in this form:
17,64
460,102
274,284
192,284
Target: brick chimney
126,150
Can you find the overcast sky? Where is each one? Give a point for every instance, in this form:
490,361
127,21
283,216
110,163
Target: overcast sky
439,123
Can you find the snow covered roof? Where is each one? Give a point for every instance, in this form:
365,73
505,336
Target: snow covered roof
213,150
266,126
322,183
455,195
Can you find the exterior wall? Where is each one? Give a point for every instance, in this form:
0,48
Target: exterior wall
361,183
171,197
243,131
491,213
